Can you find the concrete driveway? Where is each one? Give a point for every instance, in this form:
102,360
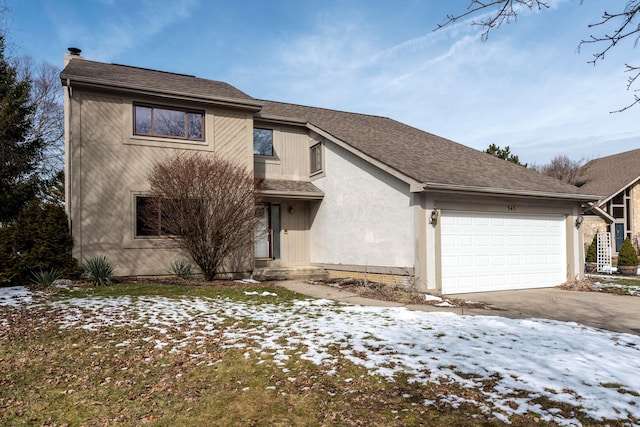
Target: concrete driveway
618,313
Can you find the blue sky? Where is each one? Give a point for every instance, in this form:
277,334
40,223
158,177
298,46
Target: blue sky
526,87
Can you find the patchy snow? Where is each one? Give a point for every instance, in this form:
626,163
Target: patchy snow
262,294
16,295
428,297
247,281
628,289
595,370
444,304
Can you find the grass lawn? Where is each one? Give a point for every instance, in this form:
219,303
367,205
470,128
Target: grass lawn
159,355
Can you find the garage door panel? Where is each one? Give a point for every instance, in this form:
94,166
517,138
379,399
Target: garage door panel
483,252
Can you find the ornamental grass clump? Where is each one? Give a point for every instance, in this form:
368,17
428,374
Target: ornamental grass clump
98,270
627,255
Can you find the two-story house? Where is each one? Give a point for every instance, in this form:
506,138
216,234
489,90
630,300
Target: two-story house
617,178
344,193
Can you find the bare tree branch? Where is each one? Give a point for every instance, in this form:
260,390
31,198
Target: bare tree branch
504,11
563,168
205,205
624,24
48,112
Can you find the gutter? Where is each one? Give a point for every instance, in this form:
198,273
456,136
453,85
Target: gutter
250,105
280,120
297,195
434,186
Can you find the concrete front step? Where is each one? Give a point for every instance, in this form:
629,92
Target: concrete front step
287,273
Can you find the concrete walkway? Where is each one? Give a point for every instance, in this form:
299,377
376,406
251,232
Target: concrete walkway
618,313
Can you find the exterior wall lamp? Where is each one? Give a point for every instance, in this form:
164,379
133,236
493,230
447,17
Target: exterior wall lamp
291,210
579,220
433,218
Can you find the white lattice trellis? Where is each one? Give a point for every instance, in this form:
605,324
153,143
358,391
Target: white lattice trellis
604,252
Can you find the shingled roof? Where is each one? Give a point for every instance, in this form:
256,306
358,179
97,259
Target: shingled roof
422,156
609,175
122,76
433,161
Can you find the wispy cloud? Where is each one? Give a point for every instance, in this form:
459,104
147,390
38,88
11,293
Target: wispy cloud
122,27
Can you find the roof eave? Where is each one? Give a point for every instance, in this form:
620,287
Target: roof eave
605,199
68,80
434,186
280,120
298,195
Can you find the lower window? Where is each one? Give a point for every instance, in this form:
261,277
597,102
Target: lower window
148,218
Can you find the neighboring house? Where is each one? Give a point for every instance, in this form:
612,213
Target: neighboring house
616,177
350,194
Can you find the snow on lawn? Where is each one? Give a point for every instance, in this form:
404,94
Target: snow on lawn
16,295
596,370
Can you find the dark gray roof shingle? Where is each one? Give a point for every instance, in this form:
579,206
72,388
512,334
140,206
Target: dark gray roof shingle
608,175
157,81
420,155
302,188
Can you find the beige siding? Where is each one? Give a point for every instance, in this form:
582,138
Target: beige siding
290,162
291,154
233,137
294,236
108,166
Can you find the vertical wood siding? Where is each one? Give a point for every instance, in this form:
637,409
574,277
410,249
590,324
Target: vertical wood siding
291,155
109,167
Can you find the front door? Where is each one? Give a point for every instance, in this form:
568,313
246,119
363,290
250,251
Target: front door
267,234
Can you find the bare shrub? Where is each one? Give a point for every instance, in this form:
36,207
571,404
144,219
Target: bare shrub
205,205
563,168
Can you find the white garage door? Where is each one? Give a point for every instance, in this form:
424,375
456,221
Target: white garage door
491,252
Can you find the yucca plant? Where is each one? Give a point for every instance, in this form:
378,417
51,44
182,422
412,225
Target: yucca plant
98,270
182,269
45,278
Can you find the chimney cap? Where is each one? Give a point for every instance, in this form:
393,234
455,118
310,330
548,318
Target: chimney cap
74,51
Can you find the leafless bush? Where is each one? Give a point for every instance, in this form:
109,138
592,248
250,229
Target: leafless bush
205,205
562,168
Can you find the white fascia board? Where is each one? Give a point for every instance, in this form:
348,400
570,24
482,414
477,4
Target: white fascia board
611,196
601,213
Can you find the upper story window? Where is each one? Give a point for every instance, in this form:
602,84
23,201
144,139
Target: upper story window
263,142
316,158
168,122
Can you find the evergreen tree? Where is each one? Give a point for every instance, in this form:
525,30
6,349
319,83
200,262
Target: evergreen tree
19,154
38,239
504,154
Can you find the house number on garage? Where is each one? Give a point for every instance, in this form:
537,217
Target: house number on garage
511,208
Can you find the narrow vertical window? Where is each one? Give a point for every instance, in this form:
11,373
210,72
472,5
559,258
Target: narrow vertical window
144,210
263,142
316,158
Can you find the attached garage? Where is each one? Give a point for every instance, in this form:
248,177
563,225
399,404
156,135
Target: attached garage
490,251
